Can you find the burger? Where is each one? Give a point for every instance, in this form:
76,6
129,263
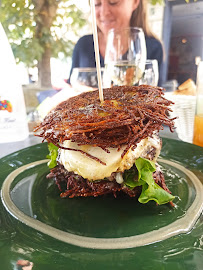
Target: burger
109,147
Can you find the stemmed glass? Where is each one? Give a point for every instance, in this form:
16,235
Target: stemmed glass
125,56
150,75
84,79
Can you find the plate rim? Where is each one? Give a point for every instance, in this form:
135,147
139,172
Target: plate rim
183,225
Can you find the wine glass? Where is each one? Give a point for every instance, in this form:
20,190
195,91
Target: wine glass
125,56
84,79
150,75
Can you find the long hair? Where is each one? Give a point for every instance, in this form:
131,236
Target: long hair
139,18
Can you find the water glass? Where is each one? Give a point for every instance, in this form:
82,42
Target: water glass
198,122
84,79
151,73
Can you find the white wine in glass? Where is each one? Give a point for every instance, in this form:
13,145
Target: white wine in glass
125,56
124,73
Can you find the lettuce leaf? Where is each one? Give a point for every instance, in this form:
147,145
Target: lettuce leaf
131,178
150,190
53,153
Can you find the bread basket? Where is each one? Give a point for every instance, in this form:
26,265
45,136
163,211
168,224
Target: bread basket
184,109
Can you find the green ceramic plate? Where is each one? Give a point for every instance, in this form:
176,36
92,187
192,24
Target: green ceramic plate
104,232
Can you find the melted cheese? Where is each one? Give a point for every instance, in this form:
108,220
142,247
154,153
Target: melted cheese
91,169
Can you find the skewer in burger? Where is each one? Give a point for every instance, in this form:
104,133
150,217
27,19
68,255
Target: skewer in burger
112,146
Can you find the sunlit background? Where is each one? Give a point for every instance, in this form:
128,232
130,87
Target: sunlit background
178,25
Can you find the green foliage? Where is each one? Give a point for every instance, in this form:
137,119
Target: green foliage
154,2
21,18
143,176
188,1
161,2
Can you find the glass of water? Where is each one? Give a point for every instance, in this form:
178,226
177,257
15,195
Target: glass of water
125,56
150,75
84,79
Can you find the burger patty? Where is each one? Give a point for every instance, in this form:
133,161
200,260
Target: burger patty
73,185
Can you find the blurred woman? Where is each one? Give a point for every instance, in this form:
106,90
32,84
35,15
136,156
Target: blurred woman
116,14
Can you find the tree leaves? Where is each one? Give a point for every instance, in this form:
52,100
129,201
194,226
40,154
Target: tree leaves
21,20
